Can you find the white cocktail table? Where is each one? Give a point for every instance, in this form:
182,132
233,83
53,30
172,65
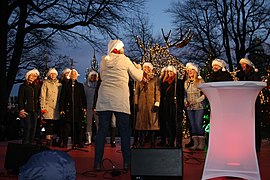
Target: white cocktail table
231,148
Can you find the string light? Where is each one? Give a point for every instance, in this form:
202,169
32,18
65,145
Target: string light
160,57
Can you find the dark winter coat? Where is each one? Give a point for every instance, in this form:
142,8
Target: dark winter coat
28,97
250,76
168,103
220,76
66,101
170,117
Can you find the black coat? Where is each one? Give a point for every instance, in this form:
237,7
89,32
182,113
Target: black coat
170,119
251,76
168,99
28,97
220,76
66,101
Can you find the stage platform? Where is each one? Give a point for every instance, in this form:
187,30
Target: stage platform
193,162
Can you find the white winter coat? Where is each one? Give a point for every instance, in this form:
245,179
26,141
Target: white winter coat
49,99
113,94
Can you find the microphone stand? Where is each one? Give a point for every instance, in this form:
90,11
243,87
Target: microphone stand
74,147
178,124
135,133
175,103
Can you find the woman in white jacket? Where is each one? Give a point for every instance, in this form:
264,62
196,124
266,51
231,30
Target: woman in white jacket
113,97
49,103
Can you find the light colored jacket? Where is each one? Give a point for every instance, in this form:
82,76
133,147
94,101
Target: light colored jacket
194,95
90,89
49,99
113,94
146,96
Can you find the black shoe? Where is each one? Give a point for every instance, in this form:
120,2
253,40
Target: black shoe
54,143
135,145
141,143
178,146
97,166
170,145
59,144
88,144
161,143
64,146
48,142
190,144
80,145
153,144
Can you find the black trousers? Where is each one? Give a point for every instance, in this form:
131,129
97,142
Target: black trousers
76,136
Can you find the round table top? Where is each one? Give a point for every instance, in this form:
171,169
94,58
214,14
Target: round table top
233,84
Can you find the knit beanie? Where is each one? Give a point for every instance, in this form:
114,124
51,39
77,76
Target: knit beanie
114,44
248,62
33,71
220,63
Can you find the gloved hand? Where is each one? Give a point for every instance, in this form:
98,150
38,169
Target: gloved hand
43,111
155,109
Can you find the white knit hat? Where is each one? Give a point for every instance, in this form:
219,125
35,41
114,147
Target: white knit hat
248,62
52,70
194,66
74,71
171,68
220,63
149,65
33,71
67,70
114,44
92,73
188,64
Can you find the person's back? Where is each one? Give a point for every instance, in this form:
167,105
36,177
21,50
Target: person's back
114,90
113,98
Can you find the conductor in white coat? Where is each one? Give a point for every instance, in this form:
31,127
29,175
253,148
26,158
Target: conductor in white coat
113,97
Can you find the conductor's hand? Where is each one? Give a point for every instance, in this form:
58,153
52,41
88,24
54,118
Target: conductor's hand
138,66
155,109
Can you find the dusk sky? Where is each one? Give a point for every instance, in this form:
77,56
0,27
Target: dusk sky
83,54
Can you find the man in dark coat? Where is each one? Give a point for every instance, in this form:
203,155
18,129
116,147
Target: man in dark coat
219,72
73,107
